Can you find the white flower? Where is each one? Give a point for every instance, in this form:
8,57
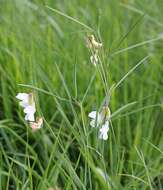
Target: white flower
94,59
24,97
101,120
101,117
37,125
104,131
30,111
28,104
96,118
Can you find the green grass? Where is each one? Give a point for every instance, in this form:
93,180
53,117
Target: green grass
42,49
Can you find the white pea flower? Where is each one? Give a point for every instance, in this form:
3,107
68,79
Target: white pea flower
27,102
24,97
101,120
37,125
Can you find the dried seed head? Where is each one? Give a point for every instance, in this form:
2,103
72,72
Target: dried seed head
39,121
37,125
92,43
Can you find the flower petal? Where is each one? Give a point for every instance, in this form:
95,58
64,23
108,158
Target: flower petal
23,104
30,109
92,114
29,117
106,125
104,130
22,96
93,123
105,136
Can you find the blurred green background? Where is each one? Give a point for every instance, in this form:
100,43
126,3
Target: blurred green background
44,51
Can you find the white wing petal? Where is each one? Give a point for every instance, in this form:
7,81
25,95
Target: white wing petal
105,136
93,123
30,109
106,125
29,117
23,104
92,114
22,96
104,130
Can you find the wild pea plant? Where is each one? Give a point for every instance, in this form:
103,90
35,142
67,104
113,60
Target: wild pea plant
100,120
76,94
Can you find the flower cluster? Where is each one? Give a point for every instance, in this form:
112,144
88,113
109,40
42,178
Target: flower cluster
101,120
29,108
93,45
